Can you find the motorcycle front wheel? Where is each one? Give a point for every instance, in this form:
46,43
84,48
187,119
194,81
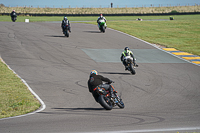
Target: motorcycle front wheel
105,102
103,29
13,19
120,104
132,69
66,33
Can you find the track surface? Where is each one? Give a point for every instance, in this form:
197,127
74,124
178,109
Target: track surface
160,97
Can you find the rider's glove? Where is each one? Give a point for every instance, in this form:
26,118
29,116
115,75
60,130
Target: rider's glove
112,81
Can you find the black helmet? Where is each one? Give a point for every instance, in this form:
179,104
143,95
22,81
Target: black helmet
126,48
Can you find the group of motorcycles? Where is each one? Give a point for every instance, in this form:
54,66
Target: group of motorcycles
104,96
105,99
102,27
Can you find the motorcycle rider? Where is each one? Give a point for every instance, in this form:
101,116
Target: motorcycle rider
65,22
96,80
13,14
127,52
101,18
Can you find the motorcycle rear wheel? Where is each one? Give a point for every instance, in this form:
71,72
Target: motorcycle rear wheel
105,102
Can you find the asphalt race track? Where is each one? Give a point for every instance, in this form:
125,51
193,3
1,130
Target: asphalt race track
163,96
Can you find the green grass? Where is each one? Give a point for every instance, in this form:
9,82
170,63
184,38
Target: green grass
94,18
15,98
183,33
45,18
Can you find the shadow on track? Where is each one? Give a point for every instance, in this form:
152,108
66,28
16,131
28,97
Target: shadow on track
55,36
92,31
116,73
64,110
73,109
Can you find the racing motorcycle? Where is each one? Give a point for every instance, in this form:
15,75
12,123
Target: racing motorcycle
66,30
130,64
105,99
14,17
102,26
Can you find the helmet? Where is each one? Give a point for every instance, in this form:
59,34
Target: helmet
94,71
126,48
13,10
101,15
65,18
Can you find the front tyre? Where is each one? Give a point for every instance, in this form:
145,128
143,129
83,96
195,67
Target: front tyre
120,103
13,19
132,69
66,33
103,29
105,102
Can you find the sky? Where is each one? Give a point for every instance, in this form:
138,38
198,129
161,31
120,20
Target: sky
96,3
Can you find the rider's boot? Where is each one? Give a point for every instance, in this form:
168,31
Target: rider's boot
111,92
70,29
126,67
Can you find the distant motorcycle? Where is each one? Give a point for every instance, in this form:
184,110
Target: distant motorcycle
102,26
130,65
14,17
105,99
139,19
66,30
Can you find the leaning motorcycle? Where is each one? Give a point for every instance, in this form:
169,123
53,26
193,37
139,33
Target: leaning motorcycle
102,26
66,30
105,99
130,64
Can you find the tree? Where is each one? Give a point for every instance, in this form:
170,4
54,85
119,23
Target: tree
2,5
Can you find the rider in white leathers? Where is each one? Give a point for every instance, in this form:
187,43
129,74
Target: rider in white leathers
127,52
101,18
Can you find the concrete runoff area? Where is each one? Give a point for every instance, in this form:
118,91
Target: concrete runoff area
141,55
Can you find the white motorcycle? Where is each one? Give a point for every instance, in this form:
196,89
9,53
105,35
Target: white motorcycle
102,25
130,64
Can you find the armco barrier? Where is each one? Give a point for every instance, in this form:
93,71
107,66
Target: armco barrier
122,14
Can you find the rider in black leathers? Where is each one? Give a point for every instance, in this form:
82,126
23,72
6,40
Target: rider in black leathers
13,14
64,22
96,80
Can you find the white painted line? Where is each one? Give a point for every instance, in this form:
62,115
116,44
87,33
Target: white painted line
154,46
43,106
151,130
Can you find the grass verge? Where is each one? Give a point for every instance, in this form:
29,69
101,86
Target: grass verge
15,98
183,33
94,18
